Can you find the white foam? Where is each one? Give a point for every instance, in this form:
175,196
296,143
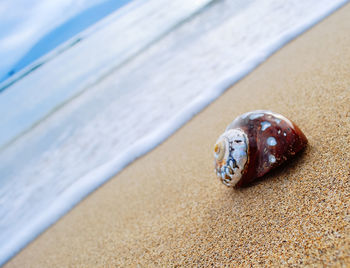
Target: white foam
68,72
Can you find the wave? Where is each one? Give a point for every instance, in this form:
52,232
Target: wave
61,34
86,68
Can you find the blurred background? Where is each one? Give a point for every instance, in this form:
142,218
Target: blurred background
32,29
86,87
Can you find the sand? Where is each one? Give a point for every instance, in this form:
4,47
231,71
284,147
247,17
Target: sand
169,209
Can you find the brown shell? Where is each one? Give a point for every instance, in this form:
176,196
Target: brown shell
287,138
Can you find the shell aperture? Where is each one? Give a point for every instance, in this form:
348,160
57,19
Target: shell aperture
231,156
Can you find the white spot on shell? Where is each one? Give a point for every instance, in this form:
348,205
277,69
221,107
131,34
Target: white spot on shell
271,141
284,134
255,116
279,131
265,125
278,120
272,158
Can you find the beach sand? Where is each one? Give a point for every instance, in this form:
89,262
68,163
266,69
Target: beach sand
168,208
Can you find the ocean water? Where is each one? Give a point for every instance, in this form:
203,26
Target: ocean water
76,117
80,16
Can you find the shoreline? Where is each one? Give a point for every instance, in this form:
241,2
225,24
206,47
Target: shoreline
168,207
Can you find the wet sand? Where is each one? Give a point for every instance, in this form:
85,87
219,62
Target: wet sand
168,208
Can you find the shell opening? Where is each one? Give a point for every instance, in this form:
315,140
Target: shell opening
231,156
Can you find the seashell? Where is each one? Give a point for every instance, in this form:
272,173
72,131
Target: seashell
253,144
